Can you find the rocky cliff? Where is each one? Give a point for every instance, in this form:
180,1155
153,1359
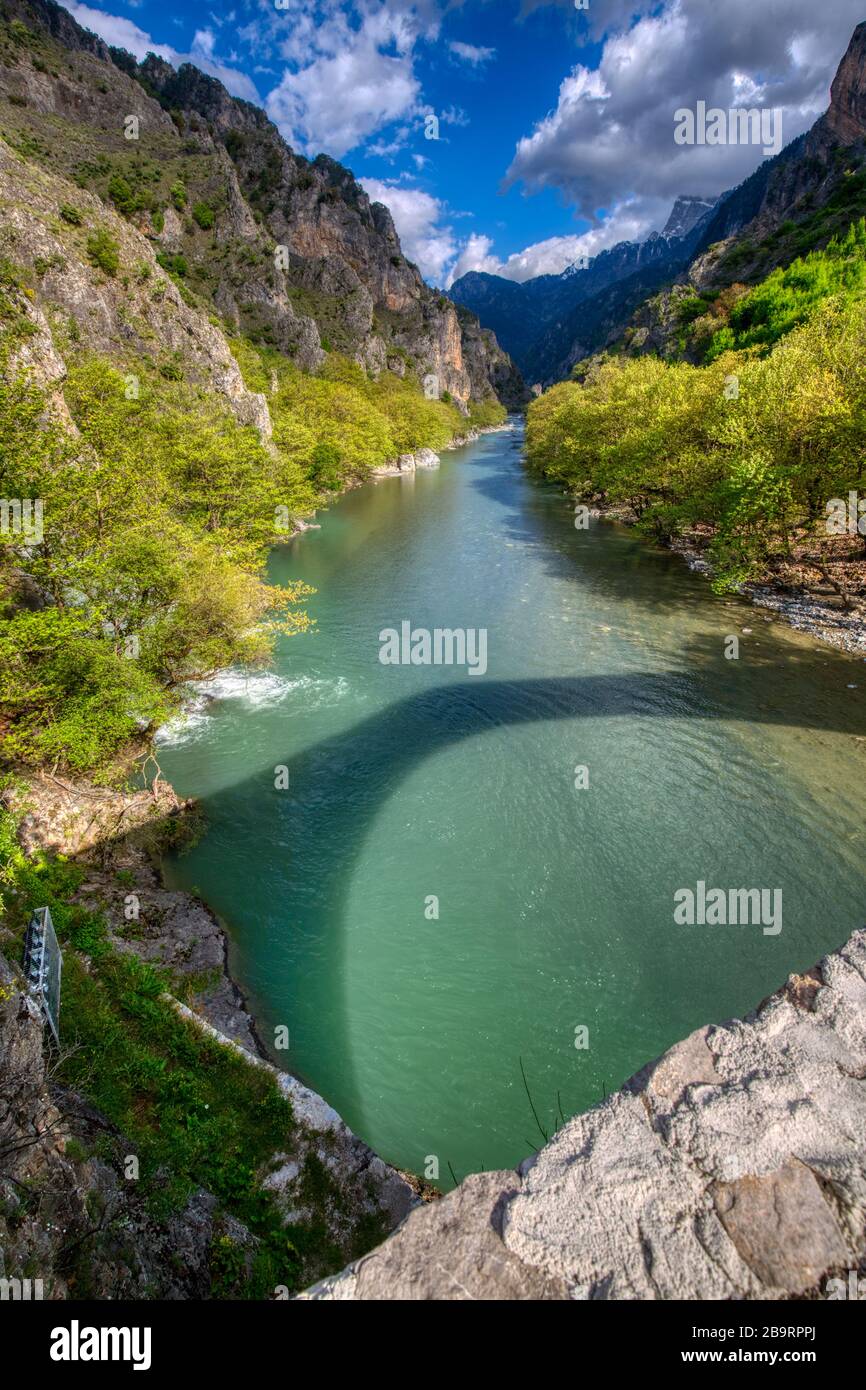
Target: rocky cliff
733,1167
796,201
74,303
846,119
288,251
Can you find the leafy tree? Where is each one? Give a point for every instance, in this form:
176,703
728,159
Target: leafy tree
756,464
145,577
325,466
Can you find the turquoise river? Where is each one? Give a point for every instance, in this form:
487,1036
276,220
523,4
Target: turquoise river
555,947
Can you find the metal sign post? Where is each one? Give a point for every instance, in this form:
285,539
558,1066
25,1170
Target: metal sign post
43,963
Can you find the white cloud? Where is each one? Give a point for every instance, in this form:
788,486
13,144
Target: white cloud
120,32
387,149
475,255
607,146
610,135
335,103
350,68
424,226
632,220
470,54
204,42
346,69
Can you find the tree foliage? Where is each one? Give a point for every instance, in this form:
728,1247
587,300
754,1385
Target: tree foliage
156,517
158,511
752,447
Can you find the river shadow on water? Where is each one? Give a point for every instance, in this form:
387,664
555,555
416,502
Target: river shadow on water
555,902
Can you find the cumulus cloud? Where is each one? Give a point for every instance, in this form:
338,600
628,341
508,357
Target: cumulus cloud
346,92
350,69
476,254
424,226
120,32
336,103
607,145
610,135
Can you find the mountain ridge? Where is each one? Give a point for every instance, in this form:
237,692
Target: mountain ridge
533,318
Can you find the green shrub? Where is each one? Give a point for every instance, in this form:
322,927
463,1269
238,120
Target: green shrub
788,296
104,251
174,264
122,195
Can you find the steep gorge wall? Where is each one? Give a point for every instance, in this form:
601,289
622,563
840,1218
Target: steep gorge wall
342,281
76,305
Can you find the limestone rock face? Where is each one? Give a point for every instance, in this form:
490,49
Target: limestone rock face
441,1250
104,313
733,1167
782,1226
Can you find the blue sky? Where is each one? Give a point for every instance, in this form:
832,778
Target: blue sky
555,118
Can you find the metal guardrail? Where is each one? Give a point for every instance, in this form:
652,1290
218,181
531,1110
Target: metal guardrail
43,964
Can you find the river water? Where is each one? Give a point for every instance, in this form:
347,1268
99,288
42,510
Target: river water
555,954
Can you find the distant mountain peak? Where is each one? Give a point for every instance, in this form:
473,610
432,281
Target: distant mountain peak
686,211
